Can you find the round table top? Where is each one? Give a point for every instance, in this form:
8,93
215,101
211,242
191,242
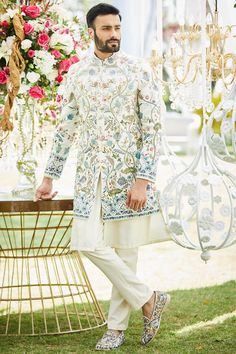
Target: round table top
41,205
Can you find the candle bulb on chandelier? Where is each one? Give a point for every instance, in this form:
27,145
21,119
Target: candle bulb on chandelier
173,46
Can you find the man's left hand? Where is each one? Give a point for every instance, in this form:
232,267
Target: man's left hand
137,195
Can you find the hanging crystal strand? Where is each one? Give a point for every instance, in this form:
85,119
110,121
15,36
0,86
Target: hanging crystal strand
26,163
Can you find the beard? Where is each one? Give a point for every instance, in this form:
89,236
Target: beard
106,47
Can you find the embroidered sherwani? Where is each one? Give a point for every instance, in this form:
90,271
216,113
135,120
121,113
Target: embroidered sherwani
112,106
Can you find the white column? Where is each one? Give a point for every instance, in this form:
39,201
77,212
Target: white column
131,25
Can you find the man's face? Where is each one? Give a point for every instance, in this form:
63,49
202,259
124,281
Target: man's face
106,33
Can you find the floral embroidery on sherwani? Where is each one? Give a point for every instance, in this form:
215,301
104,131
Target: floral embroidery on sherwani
112,106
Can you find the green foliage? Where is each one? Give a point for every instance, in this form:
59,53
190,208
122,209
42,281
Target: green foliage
186,308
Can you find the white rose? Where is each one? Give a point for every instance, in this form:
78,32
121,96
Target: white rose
26,44
44,61
24,88
12,13
61,90
6,48
38,27
65,41
52,75
61,12
5,17
32,77
22,75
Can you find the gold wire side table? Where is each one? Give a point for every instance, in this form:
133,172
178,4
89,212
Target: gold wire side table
44,289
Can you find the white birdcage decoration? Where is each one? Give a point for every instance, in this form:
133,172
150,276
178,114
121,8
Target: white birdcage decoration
199,205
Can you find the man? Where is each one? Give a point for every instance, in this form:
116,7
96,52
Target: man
112,105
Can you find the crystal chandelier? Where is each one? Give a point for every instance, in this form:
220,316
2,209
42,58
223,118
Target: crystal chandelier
199,203
183,62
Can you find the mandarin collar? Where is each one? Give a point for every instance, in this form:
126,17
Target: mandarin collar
108,61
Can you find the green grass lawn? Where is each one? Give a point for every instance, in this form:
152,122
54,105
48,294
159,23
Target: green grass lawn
187,307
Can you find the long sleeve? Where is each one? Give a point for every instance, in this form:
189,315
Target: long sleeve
66,132
149,113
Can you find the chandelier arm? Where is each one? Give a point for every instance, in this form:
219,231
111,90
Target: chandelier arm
167,83
182,81
157,78
224,62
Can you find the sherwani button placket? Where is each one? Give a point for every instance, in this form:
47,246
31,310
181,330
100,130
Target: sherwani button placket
101,123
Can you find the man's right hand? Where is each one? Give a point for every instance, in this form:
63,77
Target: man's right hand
44,191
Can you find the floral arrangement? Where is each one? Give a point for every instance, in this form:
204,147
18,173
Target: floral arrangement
37,48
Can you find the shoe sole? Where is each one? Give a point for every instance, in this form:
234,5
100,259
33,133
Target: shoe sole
109,349
168,298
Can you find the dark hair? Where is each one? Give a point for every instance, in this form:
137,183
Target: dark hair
100,10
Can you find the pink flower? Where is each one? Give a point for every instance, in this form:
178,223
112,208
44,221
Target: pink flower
28,28
47,24
43,40
58,98
56,54
7,70
3,77
75,43
23,7
31,53
74,59
36,92
59,79
4,24
31,11
53,114
64,31
64,66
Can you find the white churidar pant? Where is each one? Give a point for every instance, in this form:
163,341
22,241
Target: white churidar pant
113,247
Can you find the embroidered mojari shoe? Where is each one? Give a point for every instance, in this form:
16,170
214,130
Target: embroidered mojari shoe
152,325
110,340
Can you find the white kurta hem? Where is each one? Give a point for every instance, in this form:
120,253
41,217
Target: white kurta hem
94,233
